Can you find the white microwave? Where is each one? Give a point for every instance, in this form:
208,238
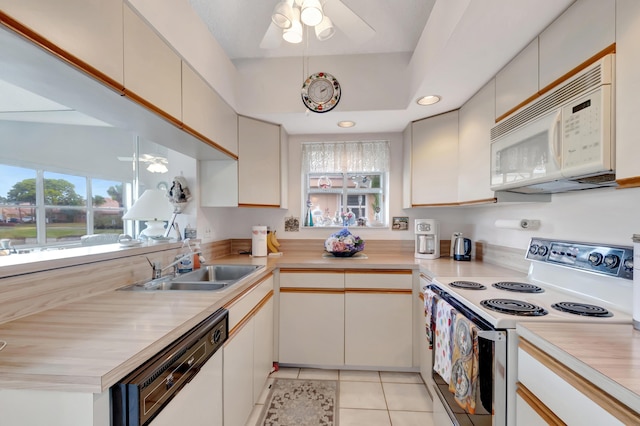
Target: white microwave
562,141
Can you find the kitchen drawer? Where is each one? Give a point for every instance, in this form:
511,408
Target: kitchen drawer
380,280
312,279
242,306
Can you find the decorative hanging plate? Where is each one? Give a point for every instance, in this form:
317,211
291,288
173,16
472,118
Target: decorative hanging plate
321,92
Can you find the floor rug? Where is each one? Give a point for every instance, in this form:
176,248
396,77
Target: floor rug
293,402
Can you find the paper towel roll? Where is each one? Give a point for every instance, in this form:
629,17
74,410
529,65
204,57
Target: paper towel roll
517,223
258,241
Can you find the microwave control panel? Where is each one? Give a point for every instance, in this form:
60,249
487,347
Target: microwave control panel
583,130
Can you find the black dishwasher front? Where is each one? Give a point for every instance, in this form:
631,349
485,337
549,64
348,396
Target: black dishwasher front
141,395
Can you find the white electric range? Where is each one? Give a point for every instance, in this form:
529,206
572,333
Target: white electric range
567,282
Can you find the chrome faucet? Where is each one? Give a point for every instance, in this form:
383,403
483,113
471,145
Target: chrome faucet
158,269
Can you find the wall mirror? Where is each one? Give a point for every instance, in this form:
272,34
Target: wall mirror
74,153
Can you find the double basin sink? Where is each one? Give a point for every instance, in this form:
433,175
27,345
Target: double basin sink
207,278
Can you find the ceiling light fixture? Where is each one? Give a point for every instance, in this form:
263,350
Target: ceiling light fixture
283,14
290,15
428,100
346,124
293,34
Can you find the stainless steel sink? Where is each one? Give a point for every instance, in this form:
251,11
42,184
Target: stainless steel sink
207,278
218,273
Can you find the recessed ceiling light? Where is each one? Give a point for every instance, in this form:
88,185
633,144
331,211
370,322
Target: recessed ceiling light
346,124
428,100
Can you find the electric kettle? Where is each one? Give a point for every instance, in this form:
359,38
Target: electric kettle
461,248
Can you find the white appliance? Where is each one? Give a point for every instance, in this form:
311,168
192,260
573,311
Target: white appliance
427,239
562,141
567,282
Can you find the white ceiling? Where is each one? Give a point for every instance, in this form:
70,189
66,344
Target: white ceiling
445,47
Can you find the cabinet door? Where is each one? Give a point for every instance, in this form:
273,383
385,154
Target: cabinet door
152,70
378,330
258,163
89,30
406,167
199,403
218,183
262,347
628,87
237,376
311,328
434,160
207,113
476,120
517,81
527,414
583,30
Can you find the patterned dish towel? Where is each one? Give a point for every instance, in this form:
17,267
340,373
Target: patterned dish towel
442,348
429,297
464,363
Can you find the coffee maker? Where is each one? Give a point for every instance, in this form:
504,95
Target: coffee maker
427,239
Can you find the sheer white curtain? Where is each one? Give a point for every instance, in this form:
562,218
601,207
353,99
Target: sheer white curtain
343,157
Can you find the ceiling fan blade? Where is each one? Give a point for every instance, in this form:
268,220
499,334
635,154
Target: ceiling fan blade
348,21
272,38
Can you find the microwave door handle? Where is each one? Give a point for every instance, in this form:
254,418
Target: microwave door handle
556,140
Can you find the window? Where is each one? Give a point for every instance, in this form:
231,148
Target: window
44,208
345,183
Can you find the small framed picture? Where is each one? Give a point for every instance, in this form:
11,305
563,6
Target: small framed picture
400,223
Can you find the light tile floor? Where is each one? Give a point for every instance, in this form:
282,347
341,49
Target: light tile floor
371,398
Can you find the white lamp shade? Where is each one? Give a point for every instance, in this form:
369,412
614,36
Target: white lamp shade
324,30
311,13
294,34
283,15
152,205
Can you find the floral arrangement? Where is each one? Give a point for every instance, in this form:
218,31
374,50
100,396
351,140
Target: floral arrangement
343,243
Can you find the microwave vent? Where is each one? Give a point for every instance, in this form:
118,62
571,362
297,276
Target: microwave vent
598,179
592,78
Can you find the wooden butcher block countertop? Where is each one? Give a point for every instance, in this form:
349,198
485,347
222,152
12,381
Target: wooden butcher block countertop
88,345
607,355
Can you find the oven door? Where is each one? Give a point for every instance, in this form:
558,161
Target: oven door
490,401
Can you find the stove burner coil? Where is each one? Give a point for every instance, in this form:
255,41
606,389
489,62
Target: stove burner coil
469,285
583,309
518,287
514,307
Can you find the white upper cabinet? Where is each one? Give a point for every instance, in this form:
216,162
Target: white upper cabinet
88,30
152,70
517,81
406,167
627,90
583,30
204,111
434,160
258,163
474,146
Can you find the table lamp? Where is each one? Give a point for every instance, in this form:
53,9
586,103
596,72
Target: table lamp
154,208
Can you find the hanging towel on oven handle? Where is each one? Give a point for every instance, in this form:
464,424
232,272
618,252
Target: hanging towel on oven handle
464,363
442,346
430,300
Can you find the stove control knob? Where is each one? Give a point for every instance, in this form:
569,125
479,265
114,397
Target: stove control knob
628,264
611,261
533,249
542,250
595,258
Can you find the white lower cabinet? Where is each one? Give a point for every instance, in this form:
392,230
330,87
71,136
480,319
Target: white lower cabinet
551,393
312,328
353,318
248,354
199,403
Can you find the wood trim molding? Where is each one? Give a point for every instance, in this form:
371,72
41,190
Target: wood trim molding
250,315
380,271
311,271
379,290
248,289
630,182
604,52
538,406
193,132
608,403
460,203
259,206
60,53
315,290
